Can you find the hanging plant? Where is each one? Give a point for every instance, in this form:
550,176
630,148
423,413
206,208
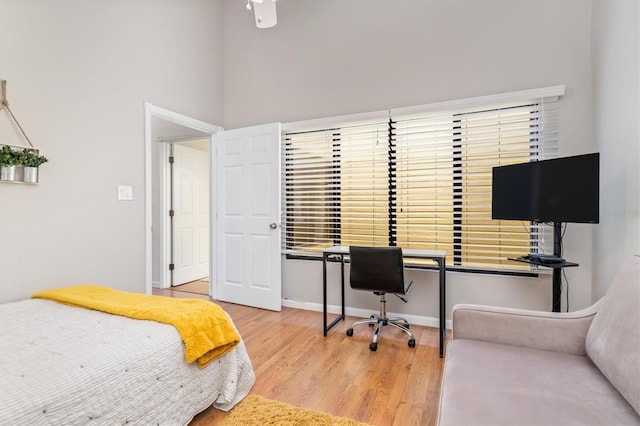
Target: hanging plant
9,156
29,158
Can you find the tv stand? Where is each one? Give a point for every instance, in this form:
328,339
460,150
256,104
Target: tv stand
557,267
557,270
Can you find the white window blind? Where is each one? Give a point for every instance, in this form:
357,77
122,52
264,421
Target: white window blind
418,178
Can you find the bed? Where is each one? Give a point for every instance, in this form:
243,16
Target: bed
67,365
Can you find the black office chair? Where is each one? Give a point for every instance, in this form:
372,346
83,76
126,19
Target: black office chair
380,270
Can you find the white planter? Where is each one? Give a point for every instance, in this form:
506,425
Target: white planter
8,173
30,174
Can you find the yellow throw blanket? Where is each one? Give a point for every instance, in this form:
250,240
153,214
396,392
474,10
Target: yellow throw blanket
205,328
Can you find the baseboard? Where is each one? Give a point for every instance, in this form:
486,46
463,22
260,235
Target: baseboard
364,313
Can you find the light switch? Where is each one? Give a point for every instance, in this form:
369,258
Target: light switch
125,193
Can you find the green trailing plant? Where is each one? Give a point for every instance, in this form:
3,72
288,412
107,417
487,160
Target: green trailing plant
29,158
9,156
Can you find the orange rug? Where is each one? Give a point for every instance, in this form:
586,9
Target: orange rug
258,411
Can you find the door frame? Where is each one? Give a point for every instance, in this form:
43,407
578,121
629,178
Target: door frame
150,111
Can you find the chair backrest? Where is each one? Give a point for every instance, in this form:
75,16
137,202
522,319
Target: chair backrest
613,339
377,269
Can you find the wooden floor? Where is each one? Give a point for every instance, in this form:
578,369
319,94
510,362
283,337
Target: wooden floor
198,287
337,374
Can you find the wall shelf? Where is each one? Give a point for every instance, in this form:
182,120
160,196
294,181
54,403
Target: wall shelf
21,163
563,264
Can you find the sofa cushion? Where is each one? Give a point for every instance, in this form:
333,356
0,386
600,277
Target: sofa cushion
613,339
494,384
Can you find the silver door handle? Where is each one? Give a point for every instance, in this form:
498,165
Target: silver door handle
273,225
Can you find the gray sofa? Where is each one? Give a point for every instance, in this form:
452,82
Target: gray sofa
518,367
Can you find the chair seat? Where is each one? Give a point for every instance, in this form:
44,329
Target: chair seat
407,286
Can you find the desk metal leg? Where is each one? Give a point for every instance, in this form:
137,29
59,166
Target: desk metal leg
443,304
324,294
328,327
342,282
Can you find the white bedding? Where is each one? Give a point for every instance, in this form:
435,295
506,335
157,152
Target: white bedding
62,365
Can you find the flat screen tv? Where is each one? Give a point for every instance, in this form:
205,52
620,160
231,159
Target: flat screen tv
563,189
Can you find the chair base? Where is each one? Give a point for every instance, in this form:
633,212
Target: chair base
380,321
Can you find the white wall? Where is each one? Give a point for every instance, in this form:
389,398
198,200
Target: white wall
78,73
616,82
333,57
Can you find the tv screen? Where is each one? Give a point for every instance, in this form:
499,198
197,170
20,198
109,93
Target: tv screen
513,192
558,190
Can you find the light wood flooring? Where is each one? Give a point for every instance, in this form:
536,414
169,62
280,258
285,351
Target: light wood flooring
337,374
198,287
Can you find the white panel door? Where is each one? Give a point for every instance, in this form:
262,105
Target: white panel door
248,182
191,214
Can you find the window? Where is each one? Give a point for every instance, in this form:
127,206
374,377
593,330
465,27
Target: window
417,177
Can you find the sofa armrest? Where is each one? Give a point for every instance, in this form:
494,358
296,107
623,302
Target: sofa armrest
552,331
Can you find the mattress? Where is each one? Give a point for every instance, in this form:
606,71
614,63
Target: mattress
64,365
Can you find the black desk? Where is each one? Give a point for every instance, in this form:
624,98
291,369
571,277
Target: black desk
340,252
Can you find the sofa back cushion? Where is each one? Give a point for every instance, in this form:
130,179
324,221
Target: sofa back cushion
613,340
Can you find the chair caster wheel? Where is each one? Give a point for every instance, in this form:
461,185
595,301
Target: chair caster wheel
412,343
372,317
349,331
373,346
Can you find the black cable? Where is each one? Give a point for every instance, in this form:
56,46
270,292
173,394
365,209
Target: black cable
564,272
528,231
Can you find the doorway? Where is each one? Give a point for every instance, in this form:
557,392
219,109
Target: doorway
184,252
